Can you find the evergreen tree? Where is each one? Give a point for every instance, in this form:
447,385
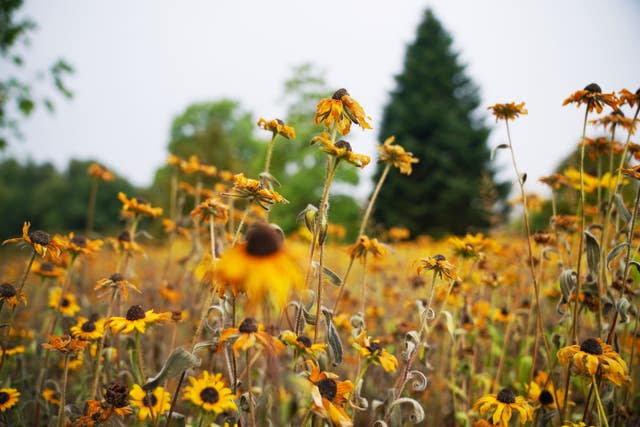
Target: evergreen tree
433,113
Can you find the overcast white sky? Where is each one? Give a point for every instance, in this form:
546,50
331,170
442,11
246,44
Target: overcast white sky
139,63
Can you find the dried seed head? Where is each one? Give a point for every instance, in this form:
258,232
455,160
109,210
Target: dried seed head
209,395
340,93
65,302
328,388
591,346
593,88
117,395
506,395
116,277
248,326
40,237
280,122
7,290
546,398
79,240
304,340
135,312
263,240
125,236
344,145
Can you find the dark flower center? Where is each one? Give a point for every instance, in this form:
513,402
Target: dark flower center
328,388
4,397
116,277
504,311
135,312
65,302
591,346
280,122
47,266
117,395
149,400
79,240
40,237
506,395
374,346
248,326
141,201
439,257
88,326
125,236
9,346
209,395
593,88
617,112
546,398
339,94
263,240
7,290
304,340
344,145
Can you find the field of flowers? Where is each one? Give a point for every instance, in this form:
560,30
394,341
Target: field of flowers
224,320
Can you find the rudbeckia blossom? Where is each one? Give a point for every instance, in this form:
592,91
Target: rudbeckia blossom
278,127
329,396
150,405
136,319
341,150
439,265
137,205
374,352
593,97
41,241
341,110
97,171
396,156
629,98
504,404
594,357
260,267
64,303
255,192
9,397
88,329
10,295
210,393
365,246
508,111
65,344
302,344
249,334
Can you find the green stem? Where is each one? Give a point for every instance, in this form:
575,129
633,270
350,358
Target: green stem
63,392
267,162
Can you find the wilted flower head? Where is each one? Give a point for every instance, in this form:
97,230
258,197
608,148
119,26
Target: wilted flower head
593,97
365,246
137,205
194,165
341,110
592,357
97,171
278,127
212,207
41,241
439,265
65,344
396,156
341,150
255,192
508,111
629,98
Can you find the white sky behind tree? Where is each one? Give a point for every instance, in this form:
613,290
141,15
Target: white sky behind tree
140,63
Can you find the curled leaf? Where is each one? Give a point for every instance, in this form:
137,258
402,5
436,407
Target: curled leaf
178,361
417,412
333,338
623,212
615,251
420,380
495,149
568,282
593,252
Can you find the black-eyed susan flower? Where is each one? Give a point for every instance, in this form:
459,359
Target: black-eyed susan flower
212,207
97,171
508,111
172,227
150,404
9,397
9,295
629,98
555,181
396,156
116,395
41,241
124,243
88,329
278,127
593,97
329,395
47,270
439,265
137,205
210,393
341,150
594,357
341,110
136,319
365,246
543,393
576,424
249,334
78,244
51,396
194,165
614,119
64,303
504,404
170,293
116,282
373,351
502,315
10,349
471,245
65,344
302,344
261,267
254,192
399,233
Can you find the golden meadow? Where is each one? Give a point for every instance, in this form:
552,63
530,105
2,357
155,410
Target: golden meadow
226,321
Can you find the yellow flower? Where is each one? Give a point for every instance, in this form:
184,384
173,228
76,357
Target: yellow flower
136,319
439,265
364,246
593,357
169,293
124,243
593,97
329,395
261,267
302,344
10,349
8,398
47,270
502,315
210,393
88,329
542,391
471,246
137,205
341,110
99,172
51,396
508,111
504,404
65,304
374,352
41,241
255,192
341,150
78,244
116,282
555,181
10,295
150,405
396,156
65,344
194,165
399,233
248,335
614,119
278,127
211,207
